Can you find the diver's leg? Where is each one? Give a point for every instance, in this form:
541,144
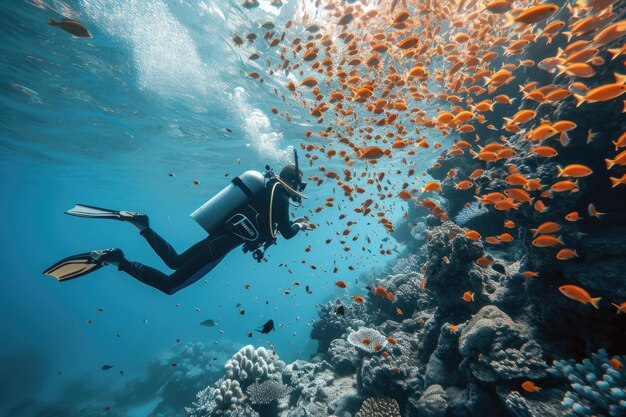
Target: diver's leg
198,264
167,253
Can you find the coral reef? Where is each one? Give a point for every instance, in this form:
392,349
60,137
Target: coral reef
598,385
379,407
475,316
249,367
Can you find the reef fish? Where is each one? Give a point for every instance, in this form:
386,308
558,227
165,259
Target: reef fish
73,27
267,327
579,294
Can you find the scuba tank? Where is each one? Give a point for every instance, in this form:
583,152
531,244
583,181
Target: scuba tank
232,209
214,213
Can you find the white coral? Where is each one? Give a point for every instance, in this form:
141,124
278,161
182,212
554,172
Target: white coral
356,339
249,364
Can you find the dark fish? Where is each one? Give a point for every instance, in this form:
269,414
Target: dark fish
340,310
209,323
249,334
242,312
267,327
106,367
237,40
73,27
250,4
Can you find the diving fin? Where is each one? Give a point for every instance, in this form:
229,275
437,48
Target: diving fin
74,267
140,220
82,210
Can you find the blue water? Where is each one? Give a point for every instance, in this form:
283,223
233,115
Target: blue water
104,121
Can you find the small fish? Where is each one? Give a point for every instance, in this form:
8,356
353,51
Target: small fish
565,254
267,327
73,27
106,367
340,310
209,323
616,363
341,284
468,296
620,308
358,299
530,386
577,293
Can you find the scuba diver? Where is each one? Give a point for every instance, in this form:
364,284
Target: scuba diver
251,211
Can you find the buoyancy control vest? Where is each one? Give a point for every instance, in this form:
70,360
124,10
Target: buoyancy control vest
243,208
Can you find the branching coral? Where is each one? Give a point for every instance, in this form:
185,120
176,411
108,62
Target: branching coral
598,385
249,364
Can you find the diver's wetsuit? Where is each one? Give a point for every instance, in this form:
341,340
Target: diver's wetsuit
202,257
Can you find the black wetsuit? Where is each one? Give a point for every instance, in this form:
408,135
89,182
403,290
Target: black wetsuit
202,257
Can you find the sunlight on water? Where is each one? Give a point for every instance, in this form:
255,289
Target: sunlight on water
165,55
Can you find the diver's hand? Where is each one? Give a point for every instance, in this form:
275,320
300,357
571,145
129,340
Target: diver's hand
300,220
304,226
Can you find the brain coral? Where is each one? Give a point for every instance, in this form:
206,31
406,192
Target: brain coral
266,392
379,407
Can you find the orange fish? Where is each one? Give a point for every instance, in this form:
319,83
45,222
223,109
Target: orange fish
547,241
535,14
366,341
341,284
617,181
530,386
578,294
604,92
546,228
380,291
358,299
572,217
468,296
529,274
373,152
620,159
616,363
473,235
620,308
565,254
399,311
574,170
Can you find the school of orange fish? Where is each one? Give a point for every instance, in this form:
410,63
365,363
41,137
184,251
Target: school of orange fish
370,74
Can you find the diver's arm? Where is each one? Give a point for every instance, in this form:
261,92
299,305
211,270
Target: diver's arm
286,227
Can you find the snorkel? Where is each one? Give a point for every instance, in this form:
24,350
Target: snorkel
298,186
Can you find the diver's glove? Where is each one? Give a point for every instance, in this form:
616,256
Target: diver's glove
303,225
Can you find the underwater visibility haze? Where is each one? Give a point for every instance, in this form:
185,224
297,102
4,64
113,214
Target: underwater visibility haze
458,250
